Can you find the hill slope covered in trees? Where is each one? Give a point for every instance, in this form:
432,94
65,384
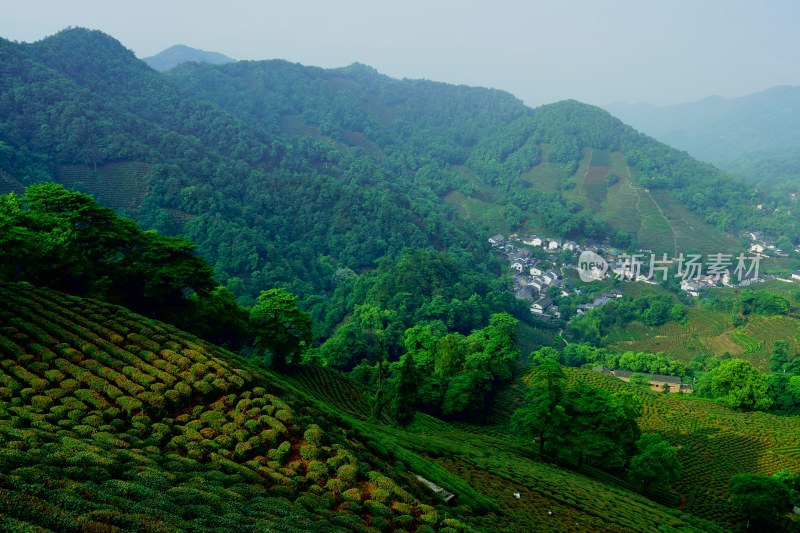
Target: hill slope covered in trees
282,174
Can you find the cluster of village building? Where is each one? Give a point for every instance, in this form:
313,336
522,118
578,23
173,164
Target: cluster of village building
533,282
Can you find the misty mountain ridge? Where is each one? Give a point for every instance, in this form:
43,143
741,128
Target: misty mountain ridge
753,136
180,53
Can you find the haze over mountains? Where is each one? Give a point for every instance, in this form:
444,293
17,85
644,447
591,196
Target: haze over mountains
754,137
180,53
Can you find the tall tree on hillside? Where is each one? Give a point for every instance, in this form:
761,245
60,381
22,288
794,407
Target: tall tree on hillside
406,394
543,417
281,327
740,386
779,356
759,497
598,427
655,463
64,240
374,328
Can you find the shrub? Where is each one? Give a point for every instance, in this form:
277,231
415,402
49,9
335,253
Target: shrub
347,473
183,389
404,521
317,472
173,397
284,415
401,508
352,495
309,452
130,405
341,457
336,486
377,508
223,441
313,435
93,421
243,451
380,495
270,436
213,419
204,388
70,385
281,452
41,403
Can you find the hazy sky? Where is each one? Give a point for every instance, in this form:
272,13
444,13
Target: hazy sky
598,52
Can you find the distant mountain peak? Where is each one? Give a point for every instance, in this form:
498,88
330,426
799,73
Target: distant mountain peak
180,53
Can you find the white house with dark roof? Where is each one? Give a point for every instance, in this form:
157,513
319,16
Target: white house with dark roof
497,240
519,266
541,306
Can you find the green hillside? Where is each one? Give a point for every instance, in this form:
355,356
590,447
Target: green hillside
298,216
709,329
752,136
300,168
713,442
113,422
110,421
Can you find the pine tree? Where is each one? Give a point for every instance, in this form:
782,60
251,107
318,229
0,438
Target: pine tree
406,397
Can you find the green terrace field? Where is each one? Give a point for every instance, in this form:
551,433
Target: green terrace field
593,184
690,231
654,217
714,443
495,464
120,184
113,422
710,332
619,209
9,184
545,176
625,205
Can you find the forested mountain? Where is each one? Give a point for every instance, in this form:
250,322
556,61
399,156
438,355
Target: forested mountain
290,176
349,213
180,53
753,137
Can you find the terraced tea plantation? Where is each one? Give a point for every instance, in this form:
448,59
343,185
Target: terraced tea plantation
714,443
710,332
113,422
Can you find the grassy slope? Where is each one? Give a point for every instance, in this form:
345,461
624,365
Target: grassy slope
714,443
655,218
110,422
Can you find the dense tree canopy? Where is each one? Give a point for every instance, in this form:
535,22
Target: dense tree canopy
281,327
656,462
740,386
759,497
62,239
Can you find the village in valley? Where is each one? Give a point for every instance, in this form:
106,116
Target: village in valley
540,264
